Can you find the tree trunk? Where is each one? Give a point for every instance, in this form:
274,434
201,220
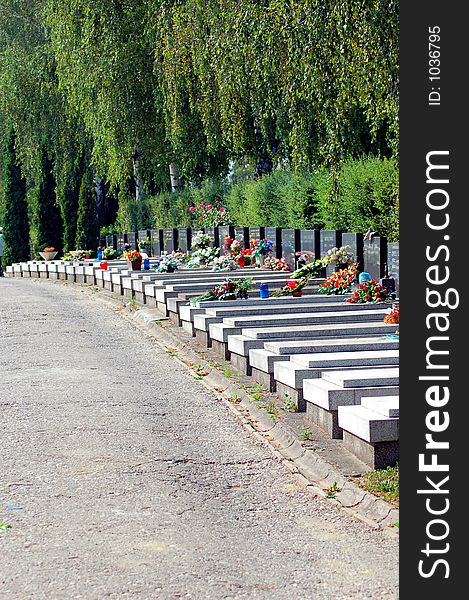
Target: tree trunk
138,178
174,175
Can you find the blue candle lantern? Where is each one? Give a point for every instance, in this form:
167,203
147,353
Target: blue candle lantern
364,276
100,254
263,290
146,264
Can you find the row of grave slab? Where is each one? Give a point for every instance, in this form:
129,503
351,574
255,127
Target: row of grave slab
339,362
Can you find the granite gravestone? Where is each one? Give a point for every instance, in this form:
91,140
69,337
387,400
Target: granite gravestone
242,235
170,240
111,241
290,240
309,243
184,239
375,256
329,238
121,241
156,236
213,233
143,237
256,233
393,262
273,234
224,230
132,240
355,241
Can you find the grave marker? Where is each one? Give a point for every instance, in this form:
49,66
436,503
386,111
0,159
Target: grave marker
156,237
375,256
184,239
393,262
170,240
309,242
132,239
273,235
290,245
242,235
355,241
222,231
329,238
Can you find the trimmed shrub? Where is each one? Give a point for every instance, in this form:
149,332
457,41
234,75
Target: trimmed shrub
365,194
87,225
47,224
14,216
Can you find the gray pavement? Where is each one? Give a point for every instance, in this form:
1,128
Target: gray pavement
123,477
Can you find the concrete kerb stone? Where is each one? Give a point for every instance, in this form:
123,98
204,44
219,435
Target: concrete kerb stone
309,469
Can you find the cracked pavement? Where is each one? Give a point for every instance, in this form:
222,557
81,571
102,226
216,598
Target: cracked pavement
123,477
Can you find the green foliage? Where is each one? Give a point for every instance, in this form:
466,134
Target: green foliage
14,216
47,227
87,226
364,194
171,209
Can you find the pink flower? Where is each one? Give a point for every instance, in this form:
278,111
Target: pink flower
222,210
200,218
191,208
201,205
209,207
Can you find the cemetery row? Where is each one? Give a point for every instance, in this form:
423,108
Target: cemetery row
376,256
338,361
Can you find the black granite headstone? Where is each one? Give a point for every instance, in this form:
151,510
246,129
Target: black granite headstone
213,233
184,239
256,233
273,234
224,230
170,240
375,256
393,262
110,241
290,246
309,242
121,241
156,236
329,238
132,239
355,241
242,235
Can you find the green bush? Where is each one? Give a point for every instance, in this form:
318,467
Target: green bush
170,209
14,213
365,194
87,225
47,224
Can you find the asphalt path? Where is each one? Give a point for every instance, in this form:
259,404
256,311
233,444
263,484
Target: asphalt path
123,477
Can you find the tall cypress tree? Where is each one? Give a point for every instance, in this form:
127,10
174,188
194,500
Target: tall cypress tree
15,208
47,218
87,225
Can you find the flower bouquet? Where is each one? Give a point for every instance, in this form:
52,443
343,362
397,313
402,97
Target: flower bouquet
340,282
230,289
204,254
109,253
276,264
167,264
369,291
134,259
78,255
224,263
392,315
339,256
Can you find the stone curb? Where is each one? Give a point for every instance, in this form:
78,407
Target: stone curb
315,471
309,469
